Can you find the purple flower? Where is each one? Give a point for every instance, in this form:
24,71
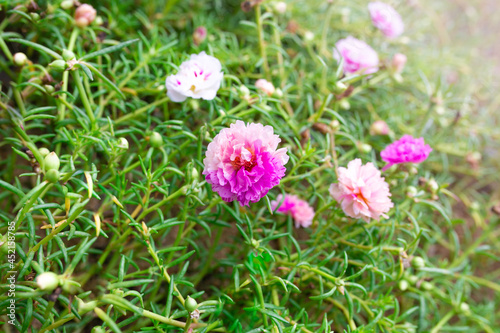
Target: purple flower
300,210
358,56
405,150
386,19
243,163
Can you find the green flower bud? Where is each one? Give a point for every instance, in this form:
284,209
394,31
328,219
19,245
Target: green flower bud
344,104
68,55
155,140
34,17
43,151
20,59
190,304
98,329
122,143
52,176
403,285
427,285
364,147
49,89
47,281
411,191
194,173
339,87
464,307
413,279
51,161
417,262
58,65
67,4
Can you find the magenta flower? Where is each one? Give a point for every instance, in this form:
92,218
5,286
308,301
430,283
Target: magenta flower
386,19
405,150
361,191
300,210
358,56
243,163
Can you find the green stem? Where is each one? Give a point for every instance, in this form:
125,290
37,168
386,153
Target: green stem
262,46
443,321
83,97
62,97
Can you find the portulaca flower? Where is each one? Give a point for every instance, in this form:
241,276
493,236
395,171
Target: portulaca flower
198,77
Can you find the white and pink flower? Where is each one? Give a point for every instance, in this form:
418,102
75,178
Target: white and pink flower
198,77
265,86
299,209
243,163
358,56
361,191
386,19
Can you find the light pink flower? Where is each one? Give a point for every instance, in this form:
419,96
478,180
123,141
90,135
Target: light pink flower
379,127
398,62
358,56
300,210
198,77
84,15
361,191
405,150
386,19
243,163
265,86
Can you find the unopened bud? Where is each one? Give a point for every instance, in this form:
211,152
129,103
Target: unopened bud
194,173
51,161
417,262
43,151
20,59
403,285
155,140
364,147
398,62
411,191
427,285
433,185
464,307
122,143
58,65
265,86
85,15
47,281
199,35
35,16
379,127
344,104
335,125
190,304
308,36
67,4
244,92
278,93
52,176
68,55
339,87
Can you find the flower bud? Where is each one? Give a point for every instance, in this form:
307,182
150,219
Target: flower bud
464,307
280,7
20,59
98,329
49,89
190,304
398,62
85,15
244,92
379,127
194,173
417,262
433,185
339,87
411,191
155,140
67,4
308,36
413,279
403,285
278,93
52,176
335,125
427,285
364,147
35,16
265,86
58,65
43,151
344,104
68,55
199,35
51,161
47,281
122,143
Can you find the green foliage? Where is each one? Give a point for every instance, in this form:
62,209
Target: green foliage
131,227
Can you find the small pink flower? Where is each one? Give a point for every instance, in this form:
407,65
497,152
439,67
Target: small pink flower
243,163
199,35
198,77
300,210
361,191
405,150
379,127
398,62
84,15
358,56
386,19
265,86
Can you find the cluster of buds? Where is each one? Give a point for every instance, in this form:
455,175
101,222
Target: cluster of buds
51,165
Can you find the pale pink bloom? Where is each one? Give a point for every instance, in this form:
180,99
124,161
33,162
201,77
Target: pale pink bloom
379,127
405,150
84,15
399,62
300,210
386,19
199,35
198,77
361,191
243,163
266,86
358,56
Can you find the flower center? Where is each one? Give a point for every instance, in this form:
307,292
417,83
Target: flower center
244,160
193,88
